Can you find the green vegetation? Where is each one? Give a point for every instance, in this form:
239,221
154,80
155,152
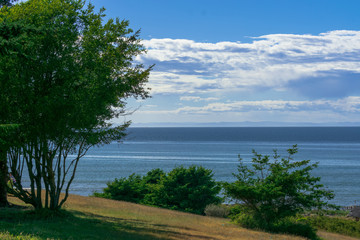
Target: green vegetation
74,71
186,189
335,224
274,192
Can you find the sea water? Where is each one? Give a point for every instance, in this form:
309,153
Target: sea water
336,149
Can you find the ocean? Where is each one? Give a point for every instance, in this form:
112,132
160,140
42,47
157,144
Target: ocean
336,149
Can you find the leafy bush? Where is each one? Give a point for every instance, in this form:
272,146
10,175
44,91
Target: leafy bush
187,189
274,191
131,189
214,210
288,225
336,224
154,176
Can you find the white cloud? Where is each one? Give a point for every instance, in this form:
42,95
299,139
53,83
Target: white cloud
319,111
197,99
275,61
345,105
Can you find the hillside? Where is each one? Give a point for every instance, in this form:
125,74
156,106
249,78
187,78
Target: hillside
96,218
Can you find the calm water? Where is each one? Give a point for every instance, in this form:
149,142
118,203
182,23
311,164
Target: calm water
337,149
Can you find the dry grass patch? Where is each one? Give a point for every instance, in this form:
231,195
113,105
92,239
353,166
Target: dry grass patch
98,218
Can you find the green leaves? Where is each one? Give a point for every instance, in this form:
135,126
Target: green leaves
277,189
78,71
187,189
64,74
8,134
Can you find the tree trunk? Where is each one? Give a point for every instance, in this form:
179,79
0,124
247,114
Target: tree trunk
3,177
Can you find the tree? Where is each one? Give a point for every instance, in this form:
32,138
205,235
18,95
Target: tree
271,191
76,77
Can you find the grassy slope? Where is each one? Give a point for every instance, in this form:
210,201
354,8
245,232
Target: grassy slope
95,218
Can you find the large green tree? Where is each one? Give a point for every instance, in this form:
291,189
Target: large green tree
76,77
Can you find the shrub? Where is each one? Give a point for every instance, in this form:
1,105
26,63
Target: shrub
188,189
273,191
154,176
290,226
131,189
336,224
214,210
286,225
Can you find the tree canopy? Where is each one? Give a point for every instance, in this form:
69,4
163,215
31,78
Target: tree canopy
71,75
273,190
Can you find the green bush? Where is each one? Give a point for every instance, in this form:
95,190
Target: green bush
336,224
286,225
290,226
187,189
131,189
273,191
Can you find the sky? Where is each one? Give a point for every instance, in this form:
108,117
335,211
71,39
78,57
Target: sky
283,61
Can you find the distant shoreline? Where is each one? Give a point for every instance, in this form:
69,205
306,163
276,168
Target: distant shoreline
244,124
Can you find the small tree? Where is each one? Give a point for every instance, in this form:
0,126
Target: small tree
271,191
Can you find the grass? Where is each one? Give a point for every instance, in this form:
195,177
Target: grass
97,218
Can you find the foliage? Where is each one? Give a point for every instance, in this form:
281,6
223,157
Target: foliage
75,73
7,134
289,225
187,189
214,210
131,189
339,225
272,191
135,188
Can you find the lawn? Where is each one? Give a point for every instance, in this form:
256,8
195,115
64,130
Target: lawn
97,218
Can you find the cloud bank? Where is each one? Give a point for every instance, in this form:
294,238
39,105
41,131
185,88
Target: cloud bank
315,66
349,104
276,77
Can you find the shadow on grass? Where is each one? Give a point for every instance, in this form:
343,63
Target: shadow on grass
80,225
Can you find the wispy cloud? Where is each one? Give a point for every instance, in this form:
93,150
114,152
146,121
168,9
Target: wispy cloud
197,99
345,105
321,66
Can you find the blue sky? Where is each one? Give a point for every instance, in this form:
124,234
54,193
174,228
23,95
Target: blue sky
251,60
